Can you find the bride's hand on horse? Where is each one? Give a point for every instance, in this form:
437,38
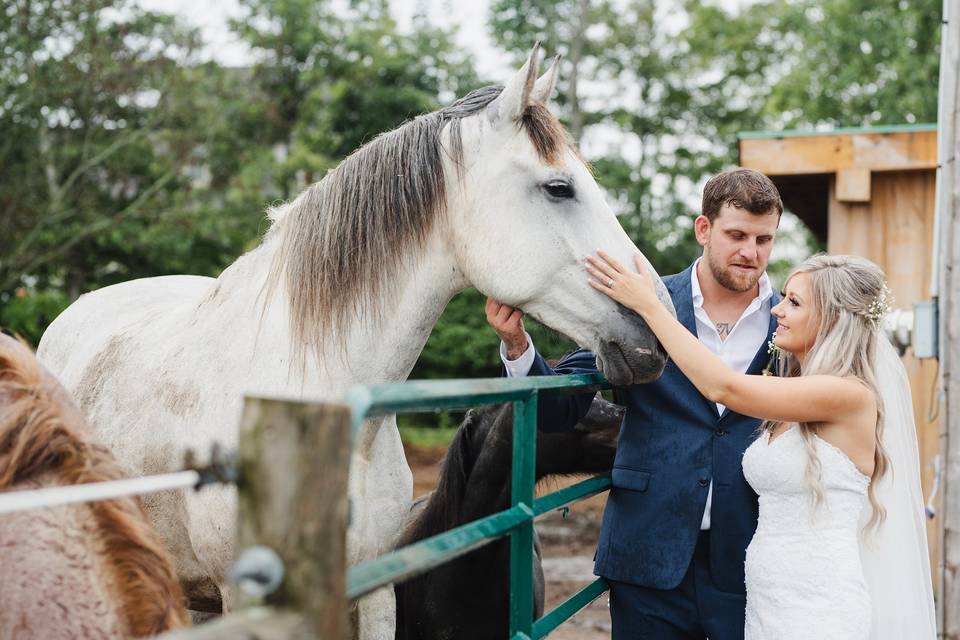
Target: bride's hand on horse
632,289
508,323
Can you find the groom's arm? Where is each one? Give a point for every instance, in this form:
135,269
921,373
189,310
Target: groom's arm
555,411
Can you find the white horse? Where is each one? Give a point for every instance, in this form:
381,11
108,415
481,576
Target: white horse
344,290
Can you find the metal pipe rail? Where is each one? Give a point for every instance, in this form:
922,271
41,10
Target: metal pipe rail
516,522
71,494
220,469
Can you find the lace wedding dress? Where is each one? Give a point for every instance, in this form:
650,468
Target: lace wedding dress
803,573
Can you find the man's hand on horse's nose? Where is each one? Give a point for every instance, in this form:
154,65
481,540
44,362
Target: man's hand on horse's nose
508,323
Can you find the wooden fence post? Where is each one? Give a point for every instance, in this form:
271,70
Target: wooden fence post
293,460
948,602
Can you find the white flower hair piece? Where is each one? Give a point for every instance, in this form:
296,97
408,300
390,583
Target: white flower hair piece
880,306
775,353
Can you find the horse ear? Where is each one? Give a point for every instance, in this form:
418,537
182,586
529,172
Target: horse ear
543,89
516,95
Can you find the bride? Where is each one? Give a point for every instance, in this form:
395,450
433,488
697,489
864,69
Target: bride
838,433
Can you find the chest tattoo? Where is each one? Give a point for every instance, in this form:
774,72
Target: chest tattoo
723,329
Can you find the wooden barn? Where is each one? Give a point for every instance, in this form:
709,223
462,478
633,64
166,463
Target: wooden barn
869,192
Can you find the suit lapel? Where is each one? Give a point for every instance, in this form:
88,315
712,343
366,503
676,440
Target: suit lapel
682,293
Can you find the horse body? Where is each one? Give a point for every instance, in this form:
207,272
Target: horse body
467,598
93,570
186,351
344,290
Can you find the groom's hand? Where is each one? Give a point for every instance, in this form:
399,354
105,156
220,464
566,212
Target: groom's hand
508,323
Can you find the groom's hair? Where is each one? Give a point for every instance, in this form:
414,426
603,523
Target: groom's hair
741,188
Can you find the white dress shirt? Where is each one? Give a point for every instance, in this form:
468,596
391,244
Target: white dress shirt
737,351
741,345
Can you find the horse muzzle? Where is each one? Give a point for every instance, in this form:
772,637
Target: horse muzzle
624,365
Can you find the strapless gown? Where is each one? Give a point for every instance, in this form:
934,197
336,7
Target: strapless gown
803,574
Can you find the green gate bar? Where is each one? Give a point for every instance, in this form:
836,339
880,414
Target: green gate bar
517,521
428,553
521,495
441,395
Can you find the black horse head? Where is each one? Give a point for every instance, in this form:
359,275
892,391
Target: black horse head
467,598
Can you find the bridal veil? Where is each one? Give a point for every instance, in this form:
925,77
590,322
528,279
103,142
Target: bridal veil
895,558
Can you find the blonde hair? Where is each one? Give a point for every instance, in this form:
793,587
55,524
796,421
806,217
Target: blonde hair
843,288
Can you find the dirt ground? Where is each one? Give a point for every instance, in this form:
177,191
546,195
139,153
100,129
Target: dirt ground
567,544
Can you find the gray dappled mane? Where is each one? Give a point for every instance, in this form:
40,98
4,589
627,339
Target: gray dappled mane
344,238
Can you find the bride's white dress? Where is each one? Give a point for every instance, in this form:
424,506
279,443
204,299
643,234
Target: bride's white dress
803,573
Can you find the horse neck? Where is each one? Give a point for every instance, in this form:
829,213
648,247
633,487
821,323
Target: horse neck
475,478
386,350
372,351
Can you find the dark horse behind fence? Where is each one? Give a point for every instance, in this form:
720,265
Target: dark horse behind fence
468,598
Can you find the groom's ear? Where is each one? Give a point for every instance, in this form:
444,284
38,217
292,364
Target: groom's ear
701,227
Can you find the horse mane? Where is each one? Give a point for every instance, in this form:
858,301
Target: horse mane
441,512
344,238
42,431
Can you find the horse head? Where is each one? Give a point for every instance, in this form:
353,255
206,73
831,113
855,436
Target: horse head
525,211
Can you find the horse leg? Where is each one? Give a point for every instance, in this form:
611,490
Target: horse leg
377,615
168,515
381,488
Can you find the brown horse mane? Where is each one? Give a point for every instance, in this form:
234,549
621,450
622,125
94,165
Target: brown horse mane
42,431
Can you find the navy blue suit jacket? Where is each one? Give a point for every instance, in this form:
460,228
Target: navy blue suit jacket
672,444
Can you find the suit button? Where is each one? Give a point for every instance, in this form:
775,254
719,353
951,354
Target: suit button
720,432
703,482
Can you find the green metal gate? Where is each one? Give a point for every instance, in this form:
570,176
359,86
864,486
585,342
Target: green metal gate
516,522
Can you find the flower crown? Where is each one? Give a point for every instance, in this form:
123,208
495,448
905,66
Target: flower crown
880,306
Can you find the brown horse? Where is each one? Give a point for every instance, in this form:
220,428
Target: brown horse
92,570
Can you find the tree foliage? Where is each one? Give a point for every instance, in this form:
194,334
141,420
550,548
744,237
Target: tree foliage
93,143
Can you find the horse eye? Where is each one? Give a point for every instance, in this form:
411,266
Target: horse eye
558,189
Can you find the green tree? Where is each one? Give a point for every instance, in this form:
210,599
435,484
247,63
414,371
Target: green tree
848,63
331,78
97,145
124,156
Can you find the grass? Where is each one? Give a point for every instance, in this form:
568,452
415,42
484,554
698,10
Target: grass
422,436
429,429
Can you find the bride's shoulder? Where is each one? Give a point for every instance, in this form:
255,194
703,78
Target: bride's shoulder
864,393
859,423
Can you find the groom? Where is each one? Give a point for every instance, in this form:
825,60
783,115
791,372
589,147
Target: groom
680,514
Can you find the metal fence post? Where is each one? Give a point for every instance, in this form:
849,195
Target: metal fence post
521,539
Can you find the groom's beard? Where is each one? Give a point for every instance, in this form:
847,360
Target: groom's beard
730,279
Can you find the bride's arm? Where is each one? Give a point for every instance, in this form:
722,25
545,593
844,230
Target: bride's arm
801,399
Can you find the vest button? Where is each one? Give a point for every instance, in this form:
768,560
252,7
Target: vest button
703,482
720,432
